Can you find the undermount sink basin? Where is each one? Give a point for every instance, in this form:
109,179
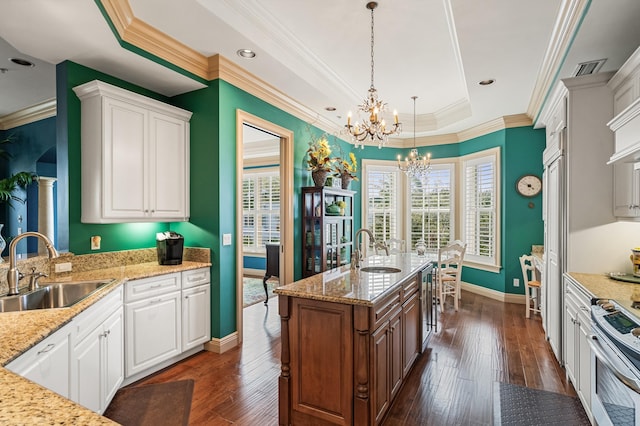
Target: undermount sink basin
381,269
52,295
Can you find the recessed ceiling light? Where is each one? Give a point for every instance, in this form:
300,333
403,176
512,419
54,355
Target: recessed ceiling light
486,82
330,108
23,62
246,53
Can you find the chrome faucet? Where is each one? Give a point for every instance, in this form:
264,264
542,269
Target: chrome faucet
13,275
357,256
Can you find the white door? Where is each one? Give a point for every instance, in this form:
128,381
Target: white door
553,262
196,321
113,357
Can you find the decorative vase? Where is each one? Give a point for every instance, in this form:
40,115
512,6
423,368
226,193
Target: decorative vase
3,243
346,181
341,211
319,177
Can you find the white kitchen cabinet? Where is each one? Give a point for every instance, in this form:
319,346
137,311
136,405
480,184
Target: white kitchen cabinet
196,308
577,205
626,190
98,353
576,334
135,157
48,363
153,322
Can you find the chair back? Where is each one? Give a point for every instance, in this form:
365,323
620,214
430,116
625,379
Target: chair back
528,268
450,258
395,245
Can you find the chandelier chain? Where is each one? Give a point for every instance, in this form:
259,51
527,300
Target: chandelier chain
372,44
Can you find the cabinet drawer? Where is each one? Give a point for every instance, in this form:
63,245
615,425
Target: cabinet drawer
95,315
148,287
409,287
382,310
195,277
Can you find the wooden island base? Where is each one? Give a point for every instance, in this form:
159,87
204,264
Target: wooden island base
343,363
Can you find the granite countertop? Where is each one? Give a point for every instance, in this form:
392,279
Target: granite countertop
355,287
25,402
603,287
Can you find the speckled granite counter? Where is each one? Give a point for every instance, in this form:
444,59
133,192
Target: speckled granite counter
24,402
355,287
601,286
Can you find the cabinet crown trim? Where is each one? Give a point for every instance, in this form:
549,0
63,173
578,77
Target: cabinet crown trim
100,88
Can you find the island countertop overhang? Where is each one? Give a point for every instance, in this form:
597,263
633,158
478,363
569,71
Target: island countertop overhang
355,286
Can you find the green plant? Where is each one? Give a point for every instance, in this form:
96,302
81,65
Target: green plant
10,184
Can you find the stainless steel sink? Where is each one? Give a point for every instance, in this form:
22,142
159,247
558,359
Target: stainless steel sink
381,269
52,295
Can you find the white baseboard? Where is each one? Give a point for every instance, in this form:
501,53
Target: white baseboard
493,294
223,344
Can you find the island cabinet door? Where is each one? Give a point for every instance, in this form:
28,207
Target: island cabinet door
321,354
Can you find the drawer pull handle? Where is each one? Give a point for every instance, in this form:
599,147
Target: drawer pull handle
155,286
47,348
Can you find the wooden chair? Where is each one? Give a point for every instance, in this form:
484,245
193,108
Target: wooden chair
395,245
531,285
273,267
449,272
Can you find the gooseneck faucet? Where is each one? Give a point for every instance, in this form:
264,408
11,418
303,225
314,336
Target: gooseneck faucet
13,275
357,256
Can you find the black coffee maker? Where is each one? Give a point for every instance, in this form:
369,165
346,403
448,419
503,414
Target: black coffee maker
170,246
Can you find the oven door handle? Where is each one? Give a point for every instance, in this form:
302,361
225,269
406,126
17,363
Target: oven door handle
599,352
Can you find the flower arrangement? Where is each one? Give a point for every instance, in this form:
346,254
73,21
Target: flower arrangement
319,154
347,167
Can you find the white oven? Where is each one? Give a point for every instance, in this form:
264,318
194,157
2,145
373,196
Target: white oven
615,365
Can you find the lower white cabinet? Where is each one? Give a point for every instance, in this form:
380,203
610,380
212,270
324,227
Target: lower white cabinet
99,353
153,331
577,328
196,322
48,362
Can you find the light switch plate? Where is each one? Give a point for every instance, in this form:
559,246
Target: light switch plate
63,267
226,239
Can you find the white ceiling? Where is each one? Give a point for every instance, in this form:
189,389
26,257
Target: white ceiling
318,52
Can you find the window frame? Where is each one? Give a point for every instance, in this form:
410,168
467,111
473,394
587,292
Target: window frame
254,174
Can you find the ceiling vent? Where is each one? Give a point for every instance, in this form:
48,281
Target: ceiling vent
586,68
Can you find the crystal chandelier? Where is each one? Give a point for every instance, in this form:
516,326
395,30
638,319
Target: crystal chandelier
414,165
373,126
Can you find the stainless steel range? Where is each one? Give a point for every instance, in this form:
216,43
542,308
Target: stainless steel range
615,365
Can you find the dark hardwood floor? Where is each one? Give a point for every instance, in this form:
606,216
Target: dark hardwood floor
451,383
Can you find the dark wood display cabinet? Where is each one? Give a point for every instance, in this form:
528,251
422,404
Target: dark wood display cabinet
327,228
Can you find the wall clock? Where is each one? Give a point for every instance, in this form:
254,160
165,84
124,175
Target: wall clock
529,185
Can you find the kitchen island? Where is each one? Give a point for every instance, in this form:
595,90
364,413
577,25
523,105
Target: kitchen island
350,338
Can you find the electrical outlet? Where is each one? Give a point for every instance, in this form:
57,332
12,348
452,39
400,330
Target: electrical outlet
516,282
63,267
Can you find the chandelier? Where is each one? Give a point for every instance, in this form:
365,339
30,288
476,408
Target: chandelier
414,165
373,126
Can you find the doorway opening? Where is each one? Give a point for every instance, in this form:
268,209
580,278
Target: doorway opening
264,210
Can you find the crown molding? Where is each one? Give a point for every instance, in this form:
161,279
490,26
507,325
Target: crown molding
627,71
567,23
28,115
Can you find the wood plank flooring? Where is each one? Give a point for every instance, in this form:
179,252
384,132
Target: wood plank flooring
451,383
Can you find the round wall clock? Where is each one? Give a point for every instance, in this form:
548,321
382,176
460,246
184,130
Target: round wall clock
529,185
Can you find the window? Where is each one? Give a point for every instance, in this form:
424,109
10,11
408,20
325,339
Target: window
480,207
382,189
432,208
260,209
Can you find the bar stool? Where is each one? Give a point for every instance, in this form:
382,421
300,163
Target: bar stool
531,285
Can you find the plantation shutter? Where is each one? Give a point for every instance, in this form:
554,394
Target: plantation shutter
382,190
480,208
432,208
260,210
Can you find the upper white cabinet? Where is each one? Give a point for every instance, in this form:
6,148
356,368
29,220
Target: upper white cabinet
625,85
135,157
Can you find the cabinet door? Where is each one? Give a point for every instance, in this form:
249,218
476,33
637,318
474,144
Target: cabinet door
125,168
553,266
584,358
570,338
626,190
168,171
113,358
380,378
153,332
48,363
411,336
88,383
395,353
196,322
